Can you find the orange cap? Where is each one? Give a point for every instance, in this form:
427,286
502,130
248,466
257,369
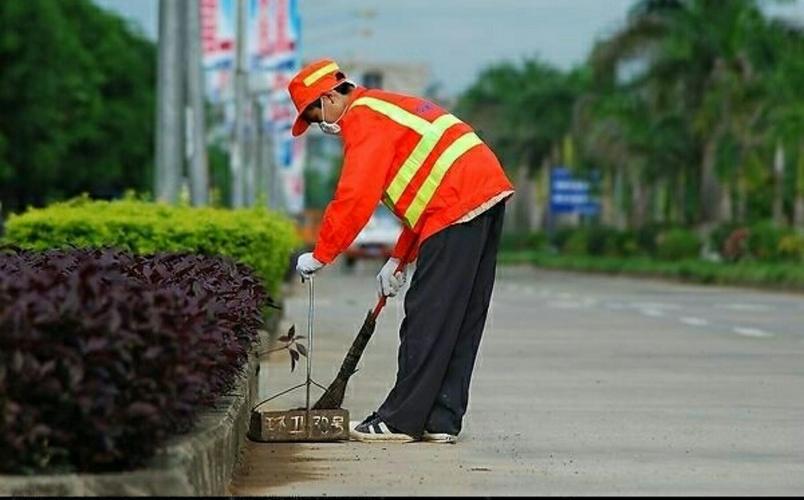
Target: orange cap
308,85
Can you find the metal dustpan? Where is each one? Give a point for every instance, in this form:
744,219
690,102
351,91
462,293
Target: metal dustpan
302,424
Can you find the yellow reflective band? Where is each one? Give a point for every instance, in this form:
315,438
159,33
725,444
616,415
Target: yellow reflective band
431,134
387,202
426,145
463,144
394,112
320,73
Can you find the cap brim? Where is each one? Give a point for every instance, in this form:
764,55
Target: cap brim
299,126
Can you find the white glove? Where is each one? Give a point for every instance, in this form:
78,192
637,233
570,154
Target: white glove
388,283
306,264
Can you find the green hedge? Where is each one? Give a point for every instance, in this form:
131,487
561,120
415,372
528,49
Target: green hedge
678,244
773,275
256,237
760,242
785,275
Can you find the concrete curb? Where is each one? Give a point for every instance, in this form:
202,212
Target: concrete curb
198,463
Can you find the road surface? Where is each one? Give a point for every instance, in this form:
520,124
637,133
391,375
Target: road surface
584,385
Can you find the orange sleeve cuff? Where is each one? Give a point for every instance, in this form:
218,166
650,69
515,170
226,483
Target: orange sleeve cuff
403,250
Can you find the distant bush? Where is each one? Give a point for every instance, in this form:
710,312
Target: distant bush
516,241
721,234
560,236
647,237
677,244
255,236
104,354
626,244
791,247
735,247
577,243
764,239
601,240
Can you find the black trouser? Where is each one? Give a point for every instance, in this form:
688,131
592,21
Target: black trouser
445,312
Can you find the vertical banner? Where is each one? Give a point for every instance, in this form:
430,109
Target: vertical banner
218,47
273,33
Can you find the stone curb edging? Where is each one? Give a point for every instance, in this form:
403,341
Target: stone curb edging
197,463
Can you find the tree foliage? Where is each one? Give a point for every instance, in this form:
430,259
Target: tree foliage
77,95
683,109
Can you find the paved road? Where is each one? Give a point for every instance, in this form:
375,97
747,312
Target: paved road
584,385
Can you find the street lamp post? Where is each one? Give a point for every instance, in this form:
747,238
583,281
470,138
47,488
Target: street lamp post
170,103
241,76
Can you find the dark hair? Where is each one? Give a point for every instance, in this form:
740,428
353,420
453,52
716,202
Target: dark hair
344,88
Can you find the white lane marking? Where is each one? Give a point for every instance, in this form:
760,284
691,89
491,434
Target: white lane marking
752,332
568,304
563,304
689,320
653,313
655,305
746,307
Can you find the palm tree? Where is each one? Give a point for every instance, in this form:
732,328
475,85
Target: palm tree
698,62
523,112
785,118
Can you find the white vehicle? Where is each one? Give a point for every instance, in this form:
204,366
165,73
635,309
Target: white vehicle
377,239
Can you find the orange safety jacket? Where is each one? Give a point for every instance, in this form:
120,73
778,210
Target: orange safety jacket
427,166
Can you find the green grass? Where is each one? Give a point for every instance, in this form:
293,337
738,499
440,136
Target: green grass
767,275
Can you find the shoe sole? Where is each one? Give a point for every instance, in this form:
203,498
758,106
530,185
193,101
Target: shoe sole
380,438
377,438
440,438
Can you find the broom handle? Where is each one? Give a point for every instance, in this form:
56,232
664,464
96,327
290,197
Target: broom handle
381,302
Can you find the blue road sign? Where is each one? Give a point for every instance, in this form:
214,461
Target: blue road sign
571,195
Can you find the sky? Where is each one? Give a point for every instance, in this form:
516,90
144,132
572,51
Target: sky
455,38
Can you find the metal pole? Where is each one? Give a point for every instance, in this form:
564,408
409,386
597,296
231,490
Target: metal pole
778,186
199,173
261,174
274,201
251,164
238,183
170,107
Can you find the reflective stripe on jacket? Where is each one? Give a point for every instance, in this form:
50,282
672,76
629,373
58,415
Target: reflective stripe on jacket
425,164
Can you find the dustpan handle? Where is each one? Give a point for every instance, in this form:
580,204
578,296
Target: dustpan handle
310,312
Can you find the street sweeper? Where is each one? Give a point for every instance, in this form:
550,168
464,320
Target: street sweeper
449,191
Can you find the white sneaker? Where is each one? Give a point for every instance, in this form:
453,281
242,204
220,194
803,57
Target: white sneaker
374,430
439,437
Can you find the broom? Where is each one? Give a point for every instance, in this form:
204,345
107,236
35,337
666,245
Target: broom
333,396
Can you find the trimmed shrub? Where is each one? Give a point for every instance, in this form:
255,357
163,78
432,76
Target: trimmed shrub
677,244
257,237
104,354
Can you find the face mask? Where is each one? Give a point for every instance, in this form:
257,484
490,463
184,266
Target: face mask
327,127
